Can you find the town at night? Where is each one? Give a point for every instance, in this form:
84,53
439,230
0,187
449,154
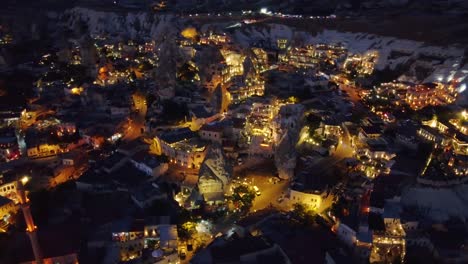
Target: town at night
223,132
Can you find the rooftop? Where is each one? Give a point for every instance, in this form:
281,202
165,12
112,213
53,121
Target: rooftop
177,135
4,201
232,250
212,127
146,191
371,130
129,176
112,160
144,157
200,112
132,146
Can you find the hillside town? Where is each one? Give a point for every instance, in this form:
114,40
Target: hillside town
202,145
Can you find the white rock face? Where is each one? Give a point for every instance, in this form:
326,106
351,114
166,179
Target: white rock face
146,25
447,65
215,172
143,24
285,156
2,61
438,204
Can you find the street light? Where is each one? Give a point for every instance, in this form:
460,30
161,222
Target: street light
24,180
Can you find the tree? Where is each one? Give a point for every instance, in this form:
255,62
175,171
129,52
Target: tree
187,230
161,207
152,243
243,197
150,98
186,72
303,214
174,112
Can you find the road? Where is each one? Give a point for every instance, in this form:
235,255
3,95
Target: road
353,95
270,191
261,172
27,122
137,120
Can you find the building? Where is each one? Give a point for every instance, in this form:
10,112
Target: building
234,63
45,150
181,146
312,199
249,249
240,90
369,132
154,234
7,208
214,175
390,244
406,135
8,187
433,131
361,64
215,39
149,164
212,132
422,95
301,57
8,144
73,158
145,194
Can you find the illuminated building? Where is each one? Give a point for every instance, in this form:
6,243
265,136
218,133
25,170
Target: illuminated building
374,154
7,208
213,38
461,124
361,64
240,90
8,188
303,57
421,96
259,130
153,234
330,51
31,228
212,133
434,94
214,175
260,60
234,63
189,33
181,146
8,144
312,199
390,245
330,128
45,150
282,43
433,130
460,137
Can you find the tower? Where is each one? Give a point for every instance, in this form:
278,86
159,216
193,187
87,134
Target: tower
31,229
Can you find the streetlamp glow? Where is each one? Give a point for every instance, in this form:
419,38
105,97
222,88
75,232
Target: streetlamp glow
24,180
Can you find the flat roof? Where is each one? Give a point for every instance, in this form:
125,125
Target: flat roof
177,135
4,201
232,250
